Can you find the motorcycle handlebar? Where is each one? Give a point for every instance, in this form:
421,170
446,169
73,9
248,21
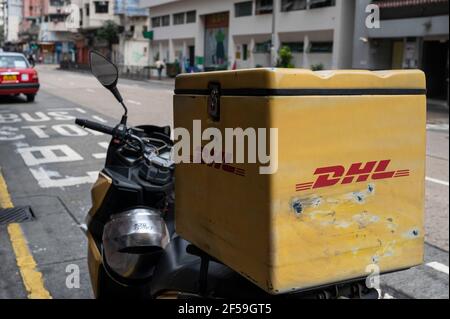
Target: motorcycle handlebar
95,126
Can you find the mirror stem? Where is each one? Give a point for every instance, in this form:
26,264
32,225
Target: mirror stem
119,98
124,116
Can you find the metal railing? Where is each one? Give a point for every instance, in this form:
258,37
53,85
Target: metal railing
135,72
131,72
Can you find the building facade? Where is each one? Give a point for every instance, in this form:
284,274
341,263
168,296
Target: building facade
213,34
93,14
12,17
44,31
410,34
2,17
133,47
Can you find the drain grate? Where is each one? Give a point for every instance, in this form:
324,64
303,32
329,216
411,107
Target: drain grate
16,215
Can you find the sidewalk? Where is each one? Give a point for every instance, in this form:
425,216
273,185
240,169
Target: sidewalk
437,115
164,80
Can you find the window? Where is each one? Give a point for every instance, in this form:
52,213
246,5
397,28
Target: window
178,18
321,3
132,28
101,6
156,22
56,3
263,6
144,28
55,18
244,52
296,47
243,9
86,8
191,16
263,47
13,61
321,47
292,5
165,20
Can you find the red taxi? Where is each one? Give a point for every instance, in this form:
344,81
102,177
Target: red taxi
17,76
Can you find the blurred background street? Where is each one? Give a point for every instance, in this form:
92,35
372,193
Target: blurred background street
55,238
152,41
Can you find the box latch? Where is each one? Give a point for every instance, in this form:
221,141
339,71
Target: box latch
214,101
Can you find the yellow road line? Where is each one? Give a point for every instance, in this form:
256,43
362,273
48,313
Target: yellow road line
31,277
5,199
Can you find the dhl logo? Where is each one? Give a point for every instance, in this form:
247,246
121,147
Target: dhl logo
358,172
222,166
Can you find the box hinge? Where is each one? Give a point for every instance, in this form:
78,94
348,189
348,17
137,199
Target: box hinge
214,101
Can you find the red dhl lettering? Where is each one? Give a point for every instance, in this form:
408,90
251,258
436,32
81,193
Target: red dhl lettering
356,173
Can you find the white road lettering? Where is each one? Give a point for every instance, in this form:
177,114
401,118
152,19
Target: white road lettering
9,118
40,117
101,155
100,119
48,179
48,154
69,130
61,116
69,109
38,130
9,133
94,132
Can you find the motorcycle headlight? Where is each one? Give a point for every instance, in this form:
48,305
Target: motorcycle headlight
133,241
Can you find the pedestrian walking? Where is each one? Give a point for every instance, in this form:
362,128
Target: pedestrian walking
160,65
31,59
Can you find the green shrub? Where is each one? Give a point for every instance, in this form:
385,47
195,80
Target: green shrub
317,67
285,58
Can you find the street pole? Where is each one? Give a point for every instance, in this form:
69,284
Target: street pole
274,41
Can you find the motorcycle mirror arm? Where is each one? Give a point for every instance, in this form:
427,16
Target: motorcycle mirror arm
119,98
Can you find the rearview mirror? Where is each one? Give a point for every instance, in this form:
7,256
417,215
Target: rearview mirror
105,71
107,74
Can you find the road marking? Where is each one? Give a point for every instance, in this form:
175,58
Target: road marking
438,266
104,145
437,181
134,102
48,154
32,278
90,90
100,119
438,127
38,130
68,109
5,199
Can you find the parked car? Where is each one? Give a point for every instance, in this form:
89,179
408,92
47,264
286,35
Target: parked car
17,76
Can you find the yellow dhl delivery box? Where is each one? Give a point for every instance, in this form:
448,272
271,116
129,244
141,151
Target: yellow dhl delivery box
343,189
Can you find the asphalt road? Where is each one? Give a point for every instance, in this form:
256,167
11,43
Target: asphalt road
50,164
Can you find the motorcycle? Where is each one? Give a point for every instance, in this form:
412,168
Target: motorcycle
133,248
